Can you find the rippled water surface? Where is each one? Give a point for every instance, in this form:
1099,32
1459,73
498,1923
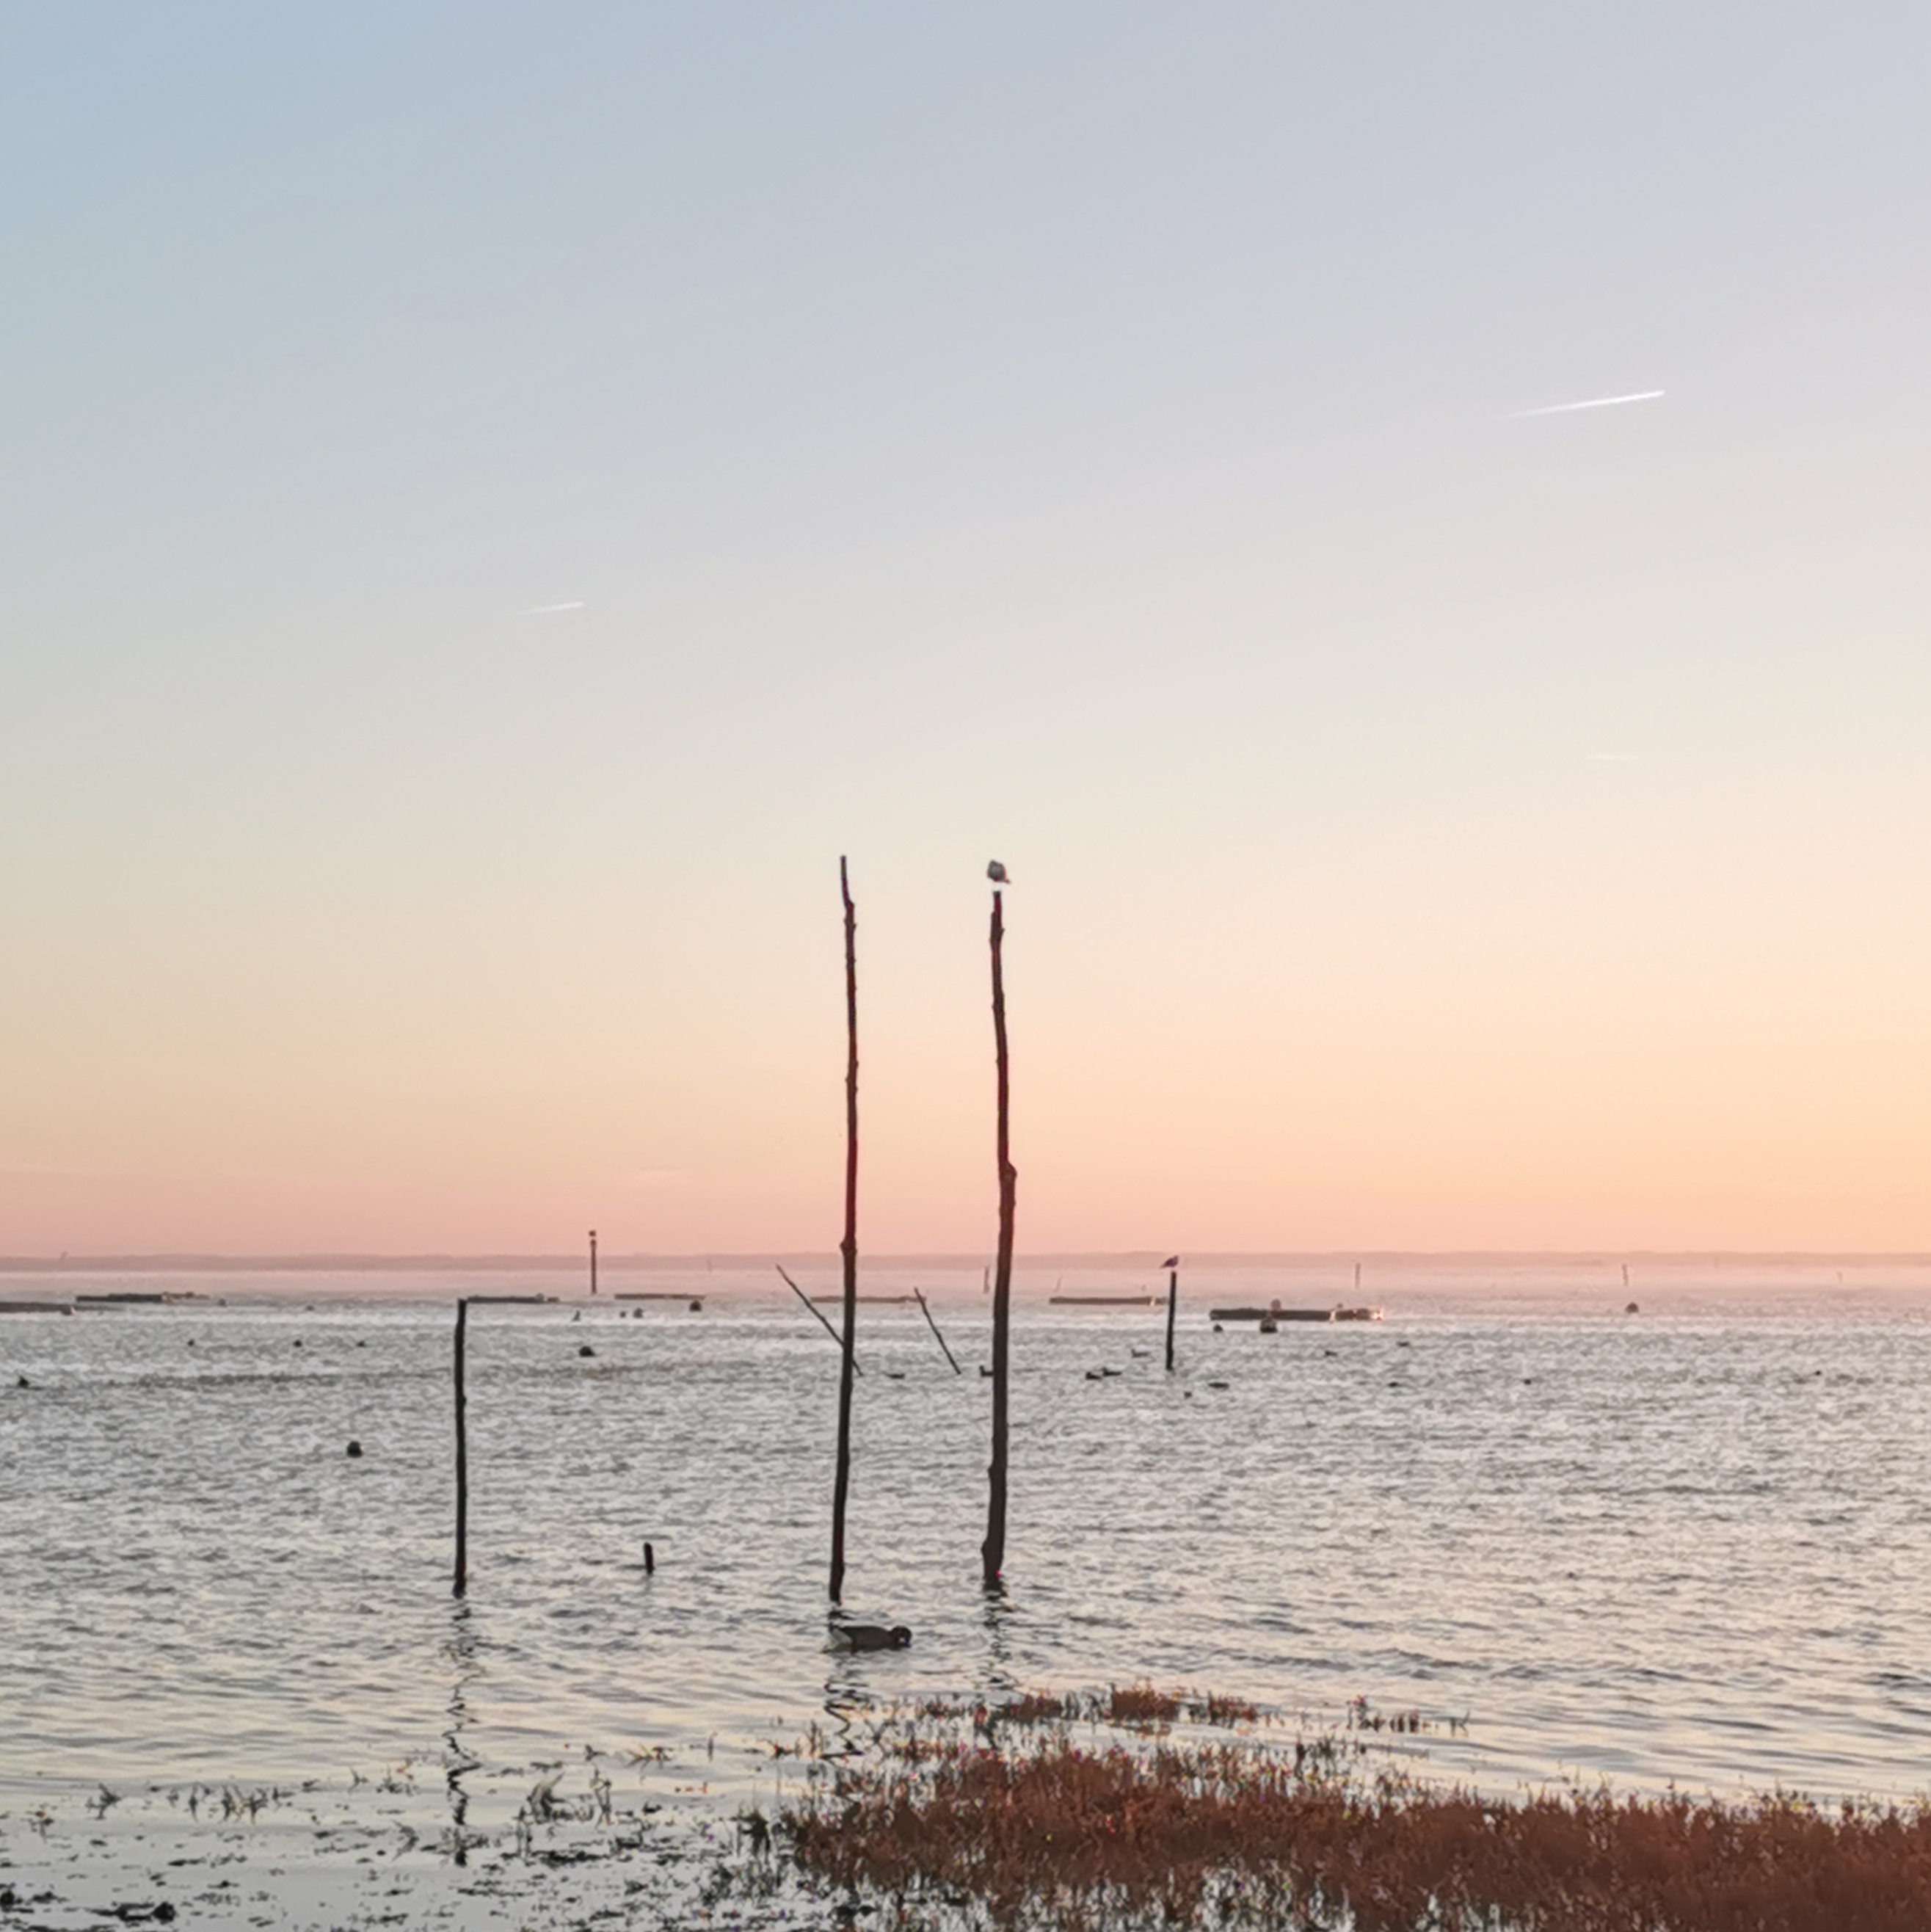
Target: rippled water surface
1690,1544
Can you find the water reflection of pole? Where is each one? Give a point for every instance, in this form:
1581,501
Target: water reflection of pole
462,1583
461,1760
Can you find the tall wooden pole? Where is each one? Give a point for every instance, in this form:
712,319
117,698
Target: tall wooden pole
848,1247
994,1549
1173,1304
462,1459
593,1260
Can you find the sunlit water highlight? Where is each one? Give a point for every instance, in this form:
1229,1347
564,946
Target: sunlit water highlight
1691,1545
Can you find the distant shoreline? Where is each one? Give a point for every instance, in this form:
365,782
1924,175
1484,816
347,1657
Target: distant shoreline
1146,1258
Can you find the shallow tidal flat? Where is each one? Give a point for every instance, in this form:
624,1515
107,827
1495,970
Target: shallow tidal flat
1687,1546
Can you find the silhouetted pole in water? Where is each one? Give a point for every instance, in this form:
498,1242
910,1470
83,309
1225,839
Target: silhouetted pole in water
462,1459
994,1549
934,1326
848,1247
1173,1305
593,1260
858,1367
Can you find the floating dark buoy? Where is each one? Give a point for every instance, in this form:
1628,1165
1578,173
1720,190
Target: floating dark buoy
697,1308
1633,1309
871,1636
190,1341
586,1350
649,1560
298,1341
355,1448
1217,1329
23,1382
362,1345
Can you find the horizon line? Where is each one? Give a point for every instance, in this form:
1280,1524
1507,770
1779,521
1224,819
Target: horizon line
356,1262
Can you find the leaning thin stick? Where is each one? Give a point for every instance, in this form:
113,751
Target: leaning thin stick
934,1326
816,1315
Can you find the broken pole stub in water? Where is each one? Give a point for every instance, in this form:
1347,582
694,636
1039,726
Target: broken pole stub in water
462,1582
848,1247
993,1550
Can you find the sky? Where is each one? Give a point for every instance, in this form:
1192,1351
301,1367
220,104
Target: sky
495,500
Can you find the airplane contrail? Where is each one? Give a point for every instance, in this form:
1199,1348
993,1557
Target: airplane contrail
551,610
1594,403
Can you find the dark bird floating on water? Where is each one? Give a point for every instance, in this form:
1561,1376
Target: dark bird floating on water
998,874
871,1636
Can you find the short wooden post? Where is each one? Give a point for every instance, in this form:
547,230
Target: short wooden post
1173,1304
462,1458
593,1260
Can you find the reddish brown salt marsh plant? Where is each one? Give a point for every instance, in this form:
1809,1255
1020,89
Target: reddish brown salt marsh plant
1227,1835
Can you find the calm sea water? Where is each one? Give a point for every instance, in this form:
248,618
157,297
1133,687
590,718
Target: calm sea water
1692,1544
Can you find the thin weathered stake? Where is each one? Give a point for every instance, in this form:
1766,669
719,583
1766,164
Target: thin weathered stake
934,1326
812,1307
1172,1303
462,1458
593,1260
848,1247
993,1551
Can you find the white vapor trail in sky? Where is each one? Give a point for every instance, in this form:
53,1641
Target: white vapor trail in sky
1594,403
551,610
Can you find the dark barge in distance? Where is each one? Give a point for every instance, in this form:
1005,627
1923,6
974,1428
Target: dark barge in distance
1274,1312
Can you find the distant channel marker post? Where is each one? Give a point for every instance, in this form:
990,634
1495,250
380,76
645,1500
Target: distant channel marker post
462,1583
1173,1306
993,1549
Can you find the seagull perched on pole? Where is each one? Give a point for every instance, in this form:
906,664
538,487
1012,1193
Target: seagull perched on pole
998,874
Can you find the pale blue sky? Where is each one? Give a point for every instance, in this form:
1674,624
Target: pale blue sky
1082,434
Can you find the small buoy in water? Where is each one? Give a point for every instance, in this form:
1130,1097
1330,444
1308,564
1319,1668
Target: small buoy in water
190,1341
362,1345
1633,1309
23,1382
649,1560
871,1636
586,1350
697,1308
355,1448
298,1341
1217,1329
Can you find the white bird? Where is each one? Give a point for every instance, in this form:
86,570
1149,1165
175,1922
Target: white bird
998,874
